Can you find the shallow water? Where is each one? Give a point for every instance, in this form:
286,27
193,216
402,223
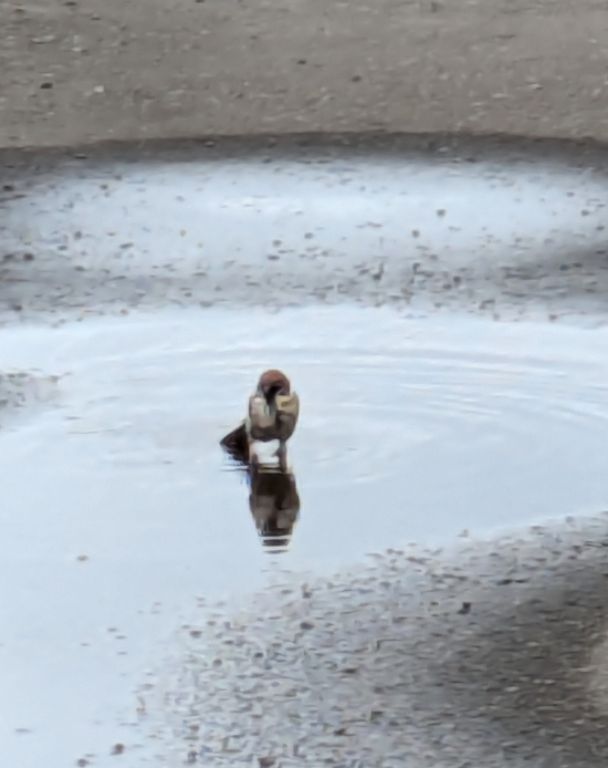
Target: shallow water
120,507
124,508
410,429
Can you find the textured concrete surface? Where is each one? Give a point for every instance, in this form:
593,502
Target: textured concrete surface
491,653
76,71
502,229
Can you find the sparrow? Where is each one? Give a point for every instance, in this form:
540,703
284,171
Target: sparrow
272,414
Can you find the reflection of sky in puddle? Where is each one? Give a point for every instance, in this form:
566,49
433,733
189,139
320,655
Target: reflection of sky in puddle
410,430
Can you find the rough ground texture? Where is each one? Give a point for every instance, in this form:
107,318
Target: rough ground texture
501,228
491,655
76,71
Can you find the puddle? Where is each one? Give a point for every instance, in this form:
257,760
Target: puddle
121,508
190,278
410,429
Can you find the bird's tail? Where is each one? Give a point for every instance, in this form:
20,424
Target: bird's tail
236,444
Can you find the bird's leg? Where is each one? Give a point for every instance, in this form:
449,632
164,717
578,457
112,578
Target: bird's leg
282,454
254,460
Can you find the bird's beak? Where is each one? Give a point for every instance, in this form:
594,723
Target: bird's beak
271,391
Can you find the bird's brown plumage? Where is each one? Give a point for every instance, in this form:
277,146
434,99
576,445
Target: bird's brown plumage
274,381
272,414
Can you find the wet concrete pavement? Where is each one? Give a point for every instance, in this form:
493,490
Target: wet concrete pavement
143,290
492,653
501,229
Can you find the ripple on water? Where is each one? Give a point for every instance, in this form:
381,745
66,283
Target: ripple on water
409,428
410,431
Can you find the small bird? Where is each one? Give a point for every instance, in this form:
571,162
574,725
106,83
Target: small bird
272,414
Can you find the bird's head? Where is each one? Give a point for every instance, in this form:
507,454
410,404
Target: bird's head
273,383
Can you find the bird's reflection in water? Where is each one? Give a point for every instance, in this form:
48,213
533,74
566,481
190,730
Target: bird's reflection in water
275,505
273,496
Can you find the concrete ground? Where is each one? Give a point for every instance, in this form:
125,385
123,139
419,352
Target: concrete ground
76,71
492,653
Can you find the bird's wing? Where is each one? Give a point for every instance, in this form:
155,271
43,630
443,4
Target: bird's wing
289,405
236,443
